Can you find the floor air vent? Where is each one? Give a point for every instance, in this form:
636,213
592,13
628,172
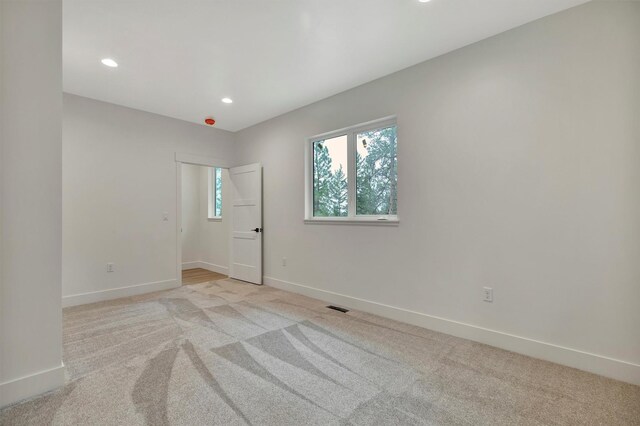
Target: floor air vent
337,308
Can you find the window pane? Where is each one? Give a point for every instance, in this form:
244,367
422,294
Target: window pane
218,189
377,172
330,177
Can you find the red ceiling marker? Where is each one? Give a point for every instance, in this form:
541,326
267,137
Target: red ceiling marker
210,121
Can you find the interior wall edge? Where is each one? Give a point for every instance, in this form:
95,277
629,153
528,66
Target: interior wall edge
33,384
30,192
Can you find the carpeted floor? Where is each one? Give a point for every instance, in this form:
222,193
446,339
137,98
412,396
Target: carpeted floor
231,353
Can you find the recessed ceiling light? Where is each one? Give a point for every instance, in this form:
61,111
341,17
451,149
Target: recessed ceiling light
227,100
424,1
109,62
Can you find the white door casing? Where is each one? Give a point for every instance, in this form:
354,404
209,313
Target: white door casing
246,223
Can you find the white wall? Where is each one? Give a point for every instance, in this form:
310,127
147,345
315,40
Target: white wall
190,211
119,179
205,242
30,192
518,169
214,234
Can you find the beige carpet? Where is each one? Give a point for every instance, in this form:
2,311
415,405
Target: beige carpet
230,353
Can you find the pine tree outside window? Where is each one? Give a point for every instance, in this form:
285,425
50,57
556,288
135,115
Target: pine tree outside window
329,179
215,193
218,190
352,175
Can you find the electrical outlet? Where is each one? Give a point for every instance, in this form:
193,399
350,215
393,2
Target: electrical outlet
487,294
284,261
109,267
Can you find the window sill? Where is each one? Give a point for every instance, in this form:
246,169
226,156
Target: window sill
215,219
355,221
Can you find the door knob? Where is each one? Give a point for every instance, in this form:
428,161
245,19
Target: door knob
257,230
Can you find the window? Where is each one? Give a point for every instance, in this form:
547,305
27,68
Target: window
215,192
330,177
352,174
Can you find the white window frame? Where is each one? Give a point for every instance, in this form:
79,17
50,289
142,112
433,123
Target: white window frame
351,218
211,195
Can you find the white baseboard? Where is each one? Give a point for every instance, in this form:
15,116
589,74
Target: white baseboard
214,268
31,385
206,265
190,265
598,364
116,293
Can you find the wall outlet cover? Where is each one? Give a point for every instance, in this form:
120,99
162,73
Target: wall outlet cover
487,294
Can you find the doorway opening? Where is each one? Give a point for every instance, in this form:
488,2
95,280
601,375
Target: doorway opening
219,220
205,221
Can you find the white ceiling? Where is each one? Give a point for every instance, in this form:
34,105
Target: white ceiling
179,58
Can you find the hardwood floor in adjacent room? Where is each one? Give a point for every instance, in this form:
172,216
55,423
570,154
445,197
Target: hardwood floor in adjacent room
199,275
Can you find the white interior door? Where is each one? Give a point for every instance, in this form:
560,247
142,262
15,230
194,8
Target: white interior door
246,223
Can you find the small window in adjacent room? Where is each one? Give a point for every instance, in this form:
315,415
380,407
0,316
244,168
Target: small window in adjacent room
352,175
215,193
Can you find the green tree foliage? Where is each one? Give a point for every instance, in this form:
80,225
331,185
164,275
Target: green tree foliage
322,177
376,177
376,173
338,193
218,184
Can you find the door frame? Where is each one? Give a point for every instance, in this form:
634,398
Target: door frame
196,160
